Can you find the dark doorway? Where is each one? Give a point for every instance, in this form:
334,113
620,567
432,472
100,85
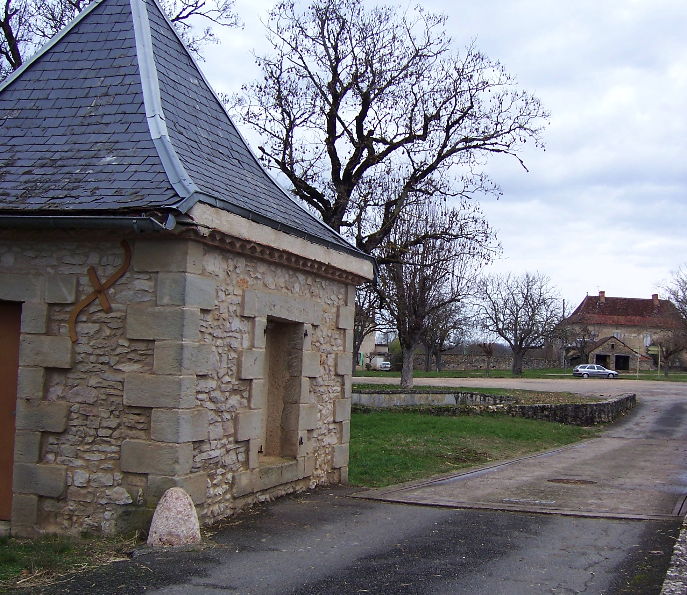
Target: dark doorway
622,362
602,360
10,328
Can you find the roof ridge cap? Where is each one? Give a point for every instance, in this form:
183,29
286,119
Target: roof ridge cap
249,148
155,117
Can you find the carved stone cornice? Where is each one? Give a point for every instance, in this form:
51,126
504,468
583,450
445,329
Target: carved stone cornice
270,254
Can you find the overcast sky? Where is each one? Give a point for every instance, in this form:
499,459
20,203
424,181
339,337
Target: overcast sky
604,207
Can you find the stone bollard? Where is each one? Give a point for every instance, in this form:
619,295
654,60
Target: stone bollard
175,521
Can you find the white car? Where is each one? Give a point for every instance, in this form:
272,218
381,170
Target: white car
385,366
587,370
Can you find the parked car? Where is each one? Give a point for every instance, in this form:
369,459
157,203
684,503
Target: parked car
587,370
385,365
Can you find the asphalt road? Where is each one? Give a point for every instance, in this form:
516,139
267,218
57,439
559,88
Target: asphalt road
328,542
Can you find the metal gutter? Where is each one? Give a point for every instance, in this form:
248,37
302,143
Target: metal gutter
136,224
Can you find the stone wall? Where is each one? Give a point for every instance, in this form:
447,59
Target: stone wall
166,389
454,361
580,414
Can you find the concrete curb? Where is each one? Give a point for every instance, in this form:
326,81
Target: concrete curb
676,577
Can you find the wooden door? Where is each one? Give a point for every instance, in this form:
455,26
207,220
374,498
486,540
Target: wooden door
10,322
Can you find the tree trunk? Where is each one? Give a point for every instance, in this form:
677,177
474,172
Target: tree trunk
440,363
517,362
407,370
428,359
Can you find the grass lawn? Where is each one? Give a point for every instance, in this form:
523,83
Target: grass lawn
549,373
31,562
392,447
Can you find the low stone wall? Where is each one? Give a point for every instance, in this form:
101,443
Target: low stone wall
401,399
579,414
455,361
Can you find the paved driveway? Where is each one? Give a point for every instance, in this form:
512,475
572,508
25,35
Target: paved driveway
326,542
636,470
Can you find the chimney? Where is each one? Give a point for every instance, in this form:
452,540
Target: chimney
654,298
602,297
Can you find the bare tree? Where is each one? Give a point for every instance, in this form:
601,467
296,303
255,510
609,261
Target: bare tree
367,308
676,290
488,348
432,275
26,24
371,110
671,345
521,309
443,328
577,340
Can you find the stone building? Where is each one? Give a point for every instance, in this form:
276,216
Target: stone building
615,354
636,322
171,317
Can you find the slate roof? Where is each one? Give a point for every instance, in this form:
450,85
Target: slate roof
114,117
619,311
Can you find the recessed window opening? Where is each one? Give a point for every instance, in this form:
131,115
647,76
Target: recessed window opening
284,361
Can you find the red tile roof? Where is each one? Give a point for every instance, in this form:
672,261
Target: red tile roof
619,311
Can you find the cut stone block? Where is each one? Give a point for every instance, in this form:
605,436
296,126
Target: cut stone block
306,465
21,288
345,432
46,351
179,425
175,521
162,322
242,484
340,458
252,364
342,409
172,256
344,364
30,383
194,484
185,289
249,424
27,446
350,295
42,479
259,303
156,390
43,416
300,417
311,364
307,337
346,386
305,395
156,458
60,289
34,318
348,341
269,476
345,317
183,358
257,394
24,514
259,334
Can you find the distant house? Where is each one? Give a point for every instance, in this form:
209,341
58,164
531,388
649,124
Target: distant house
615,354
635,323
168,315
